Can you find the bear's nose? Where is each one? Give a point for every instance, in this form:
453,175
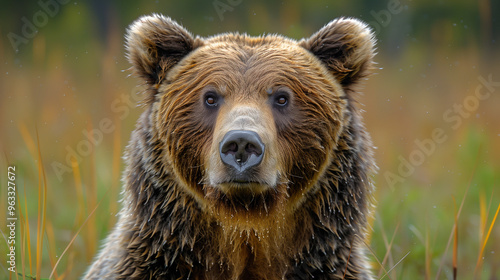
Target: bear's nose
241,149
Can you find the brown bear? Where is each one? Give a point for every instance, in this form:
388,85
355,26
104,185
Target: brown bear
250,160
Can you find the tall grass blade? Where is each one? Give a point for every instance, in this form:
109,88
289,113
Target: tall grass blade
74,237
375,256
428,255
23,222
79,190
28,238
28,140
42,200
51,246
483,217
115,179
480,257
388,246
404,257
91,203
457,216
455,242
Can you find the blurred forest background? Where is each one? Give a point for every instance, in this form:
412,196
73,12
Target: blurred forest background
432,108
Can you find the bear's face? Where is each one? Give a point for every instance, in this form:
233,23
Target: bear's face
248,123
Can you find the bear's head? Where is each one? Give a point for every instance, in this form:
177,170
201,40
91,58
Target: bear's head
253,125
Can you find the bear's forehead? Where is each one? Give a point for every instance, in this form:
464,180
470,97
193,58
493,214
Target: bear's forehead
234,63
252,61
250,41
248,49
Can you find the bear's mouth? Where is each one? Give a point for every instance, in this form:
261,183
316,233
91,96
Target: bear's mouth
247,196
242,187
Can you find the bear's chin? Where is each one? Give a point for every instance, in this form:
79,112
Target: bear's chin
247,198
244,188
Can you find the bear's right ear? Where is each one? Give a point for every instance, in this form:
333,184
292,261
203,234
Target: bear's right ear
156,43
346,46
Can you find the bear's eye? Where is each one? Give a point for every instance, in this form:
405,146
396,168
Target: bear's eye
281,99
211,99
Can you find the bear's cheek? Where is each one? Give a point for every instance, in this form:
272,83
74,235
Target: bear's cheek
187,134
306,144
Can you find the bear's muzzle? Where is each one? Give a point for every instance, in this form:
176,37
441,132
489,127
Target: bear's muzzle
241,151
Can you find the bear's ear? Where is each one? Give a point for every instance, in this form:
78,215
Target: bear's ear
346,46
156,43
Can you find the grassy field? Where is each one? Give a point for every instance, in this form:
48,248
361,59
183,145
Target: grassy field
432,113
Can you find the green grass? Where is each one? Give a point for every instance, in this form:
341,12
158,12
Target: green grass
444,225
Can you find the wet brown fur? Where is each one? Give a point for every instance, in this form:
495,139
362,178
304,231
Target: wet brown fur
176,225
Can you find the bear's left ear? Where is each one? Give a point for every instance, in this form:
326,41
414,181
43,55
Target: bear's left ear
346,46
156,43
